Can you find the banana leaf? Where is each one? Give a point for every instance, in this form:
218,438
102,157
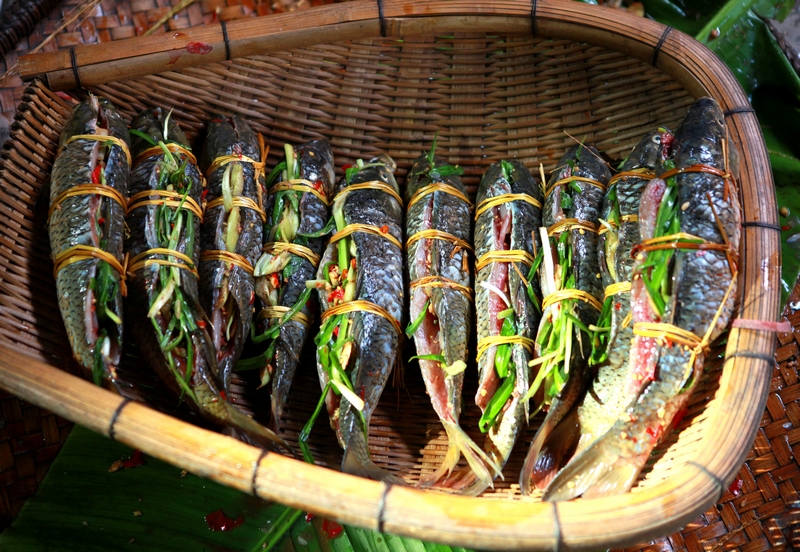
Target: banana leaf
81,506
735,30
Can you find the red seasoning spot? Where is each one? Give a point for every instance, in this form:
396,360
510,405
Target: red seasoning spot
223,395
96,175
134,461
736,487
331,528
786,227
201,324
384,229
309,517
199,48
218,521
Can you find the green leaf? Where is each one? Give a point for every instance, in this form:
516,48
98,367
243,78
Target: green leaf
81,506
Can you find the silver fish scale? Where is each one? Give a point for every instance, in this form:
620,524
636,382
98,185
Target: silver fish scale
703,277
72,285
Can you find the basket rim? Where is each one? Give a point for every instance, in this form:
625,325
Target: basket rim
519,524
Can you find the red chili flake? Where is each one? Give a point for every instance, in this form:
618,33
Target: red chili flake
134,461
736,487
252,297
344,274
786,227
317,185
331,528
101,221
654,433
361,393
384,229
353,263
676,421
274,280
199,48
96,175
204,194
337,294
223,395
347,166
218,521
309,517
201,324
618,306
336,331
65,96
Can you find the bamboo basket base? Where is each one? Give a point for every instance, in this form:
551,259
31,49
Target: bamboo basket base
487,96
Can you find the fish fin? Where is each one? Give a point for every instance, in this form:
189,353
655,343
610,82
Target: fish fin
246,429
460,443
356,461
582,473
556,450
616,481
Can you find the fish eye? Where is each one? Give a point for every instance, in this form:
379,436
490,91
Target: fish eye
657,139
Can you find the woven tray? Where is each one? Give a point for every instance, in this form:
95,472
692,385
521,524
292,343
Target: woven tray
493,92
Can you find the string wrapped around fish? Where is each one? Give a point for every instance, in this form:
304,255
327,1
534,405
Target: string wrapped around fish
611,389
567,336
508,307
88,195
361,292
231,235
297,210
437,255
682,298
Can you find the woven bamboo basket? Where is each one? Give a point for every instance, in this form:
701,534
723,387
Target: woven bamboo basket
504,79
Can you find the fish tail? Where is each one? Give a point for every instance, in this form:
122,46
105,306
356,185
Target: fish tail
458,443
245,428
357,461
598,469
550,450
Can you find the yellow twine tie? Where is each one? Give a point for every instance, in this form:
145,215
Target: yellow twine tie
165,197
616,289
572,224
564,294
643,173
99,138
432,234
567,180
78,253
280,312
505,256
300,185
437,187
157,150
293,248
367,229
258,167
370,185
227,257
141,260
239,201
440,282
490,202
363,306
86,189
494,340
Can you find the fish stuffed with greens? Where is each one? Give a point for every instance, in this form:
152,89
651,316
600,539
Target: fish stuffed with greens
88,195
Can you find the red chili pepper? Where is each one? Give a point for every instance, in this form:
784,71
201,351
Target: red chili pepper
353,263
336,331
96,175
201,324
218,521
317,185
274,280
336,295
101,221
223,395
786,227
204,194
654,433
309,517
331,528
736,487
384,229
344,274
618,306
134,461
347,166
